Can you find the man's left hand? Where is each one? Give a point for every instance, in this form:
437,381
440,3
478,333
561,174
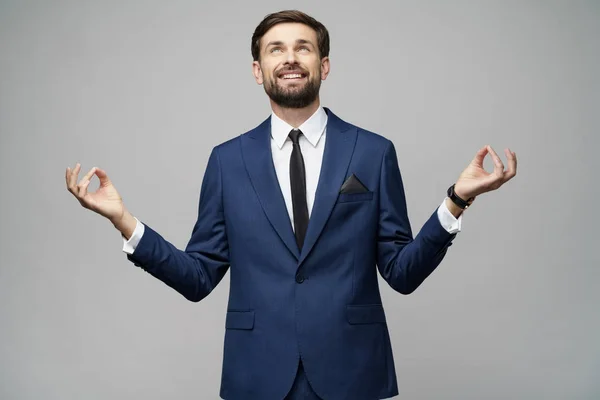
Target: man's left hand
475,180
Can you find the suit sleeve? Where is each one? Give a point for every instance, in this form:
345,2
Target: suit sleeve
195,272
402,261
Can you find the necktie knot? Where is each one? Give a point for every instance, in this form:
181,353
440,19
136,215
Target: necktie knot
295,135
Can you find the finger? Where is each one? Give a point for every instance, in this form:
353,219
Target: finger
67,174
512,164
83,189
73,177
72,180
478,160
498,165
89,175
84,182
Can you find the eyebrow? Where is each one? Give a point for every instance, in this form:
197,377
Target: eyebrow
280,43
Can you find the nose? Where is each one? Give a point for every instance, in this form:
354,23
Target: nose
291,57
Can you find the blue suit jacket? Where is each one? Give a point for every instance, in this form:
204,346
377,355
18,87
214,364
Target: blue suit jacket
320,303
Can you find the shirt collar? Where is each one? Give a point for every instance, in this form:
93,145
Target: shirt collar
312,128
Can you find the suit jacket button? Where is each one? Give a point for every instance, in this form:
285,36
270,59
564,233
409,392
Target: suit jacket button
299,278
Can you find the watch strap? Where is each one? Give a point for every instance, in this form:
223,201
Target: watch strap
461,203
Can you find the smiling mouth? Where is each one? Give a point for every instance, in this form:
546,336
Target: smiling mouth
292,76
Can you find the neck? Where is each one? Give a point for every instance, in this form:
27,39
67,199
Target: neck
295,116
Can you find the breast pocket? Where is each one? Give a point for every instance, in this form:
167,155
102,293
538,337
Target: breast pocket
348,197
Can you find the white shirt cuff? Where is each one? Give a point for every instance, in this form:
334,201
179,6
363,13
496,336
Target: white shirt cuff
130,245
448,221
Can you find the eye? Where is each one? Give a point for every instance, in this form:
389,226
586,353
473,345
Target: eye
304,48
274,49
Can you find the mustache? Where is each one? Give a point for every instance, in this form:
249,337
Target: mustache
292,68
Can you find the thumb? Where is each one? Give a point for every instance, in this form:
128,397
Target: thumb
101,174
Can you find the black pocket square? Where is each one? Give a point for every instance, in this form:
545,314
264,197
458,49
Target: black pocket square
353,185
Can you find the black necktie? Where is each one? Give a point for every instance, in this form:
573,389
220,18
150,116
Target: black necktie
298,184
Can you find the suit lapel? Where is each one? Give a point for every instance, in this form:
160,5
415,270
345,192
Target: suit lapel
339,146
256,152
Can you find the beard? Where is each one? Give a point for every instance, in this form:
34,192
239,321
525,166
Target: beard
293,97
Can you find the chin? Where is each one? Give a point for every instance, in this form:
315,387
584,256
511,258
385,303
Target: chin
293,85
293,89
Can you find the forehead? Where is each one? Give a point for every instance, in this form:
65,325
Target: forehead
288,33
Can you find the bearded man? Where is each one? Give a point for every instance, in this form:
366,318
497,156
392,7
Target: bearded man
304,209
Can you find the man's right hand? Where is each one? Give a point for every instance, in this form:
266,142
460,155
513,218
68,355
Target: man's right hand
105,201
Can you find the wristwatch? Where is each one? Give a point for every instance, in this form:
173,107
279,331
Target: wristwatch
464,204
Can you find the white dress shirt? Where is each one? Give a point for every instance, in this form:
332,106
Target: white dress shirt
312,144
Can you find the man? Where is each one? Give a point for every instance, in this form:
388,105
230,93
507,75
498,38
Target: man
302,208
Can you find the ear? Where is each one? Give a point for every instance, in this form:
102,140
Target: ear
324,68
257,72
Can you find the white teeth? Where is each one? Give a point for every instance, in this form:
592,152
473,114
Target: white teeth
291,76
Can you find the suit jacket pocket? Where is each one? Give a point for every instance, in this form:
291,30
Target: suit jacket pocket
239,319
365,313
346,197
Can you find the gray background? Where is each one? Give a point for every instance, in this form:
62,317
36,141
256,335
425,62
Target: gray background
145,89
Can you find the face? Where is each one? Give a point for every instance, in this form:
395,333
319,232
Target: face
290,67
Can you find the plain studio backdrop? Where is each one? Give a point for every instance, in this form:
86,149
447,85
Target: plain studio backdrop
145,89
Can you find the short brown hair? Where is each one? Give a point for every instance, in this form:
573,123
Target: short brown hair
290,16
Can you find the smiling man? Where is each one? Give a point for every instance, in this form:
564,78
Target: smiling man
291,83
304,209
